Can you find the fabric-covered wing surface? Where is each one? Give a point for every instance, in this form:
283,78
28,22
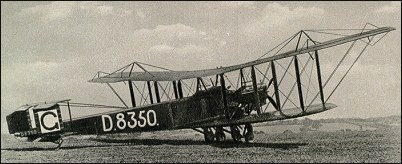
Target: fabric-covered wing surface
268,116
179,75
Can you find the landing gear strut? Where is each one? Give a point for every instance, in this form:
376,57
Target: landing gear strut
248,134
237,132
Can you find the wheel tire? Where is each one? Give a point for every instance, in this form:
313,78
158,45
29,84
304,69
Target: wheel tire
220,135
208,135
249,135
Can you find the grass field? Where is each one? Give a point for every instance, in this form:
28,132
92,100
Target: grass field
381,145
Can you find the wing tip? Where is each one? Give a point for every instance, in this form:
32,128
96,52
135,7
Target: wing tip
329,106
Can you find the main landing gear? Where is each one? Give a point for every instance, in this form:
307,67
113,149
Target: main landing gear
237,132
211,136
248,135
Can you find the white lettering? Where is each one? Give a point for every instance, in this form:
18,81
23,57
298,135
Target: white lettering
142,118
133,119
154,118
120,120
104,123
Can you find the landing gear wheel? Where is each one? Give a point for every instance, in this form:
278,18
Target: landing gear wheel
208,135
248,133
235,132
219,134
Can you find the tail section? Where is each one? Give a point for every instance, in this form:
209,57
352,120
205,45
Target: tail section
42,121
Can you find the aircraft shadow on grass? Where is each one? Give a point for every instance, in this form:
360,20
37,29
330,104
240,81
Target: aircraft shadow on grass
225,144
53,148
150,142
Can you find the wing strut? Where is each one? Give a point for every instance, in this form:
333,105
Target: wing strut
200,84
242,79
150,92
130,86
175,89
180,88
225,101
255,90
299,83
278,103
317,62
69,112
158,98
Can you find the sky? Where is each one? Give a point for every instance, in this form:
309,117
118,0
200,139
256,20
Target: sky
49,50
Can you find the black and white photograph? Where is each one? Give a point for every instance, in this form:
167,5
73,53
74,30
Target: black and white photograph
200,82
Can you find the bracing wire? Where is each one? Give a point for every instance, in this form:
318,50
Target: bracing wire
278,45
281,79
336,68
229,80
354,62
287,98
265,77
90,105
294,84
309,82
139,92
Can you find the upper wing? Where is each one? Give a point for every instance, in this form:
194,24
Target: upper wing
179,75
155,75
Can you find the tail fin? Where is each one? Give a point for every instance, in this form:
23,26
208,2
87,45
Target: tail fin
34,121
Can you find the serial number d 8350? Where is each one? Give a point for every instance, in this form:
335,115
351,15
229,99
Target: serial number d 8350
130,120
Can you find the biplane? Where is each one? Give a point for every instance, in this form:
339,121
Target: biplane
207,101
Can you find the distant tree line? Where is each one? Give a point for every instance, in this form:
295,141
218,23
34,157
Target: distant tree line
309,124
